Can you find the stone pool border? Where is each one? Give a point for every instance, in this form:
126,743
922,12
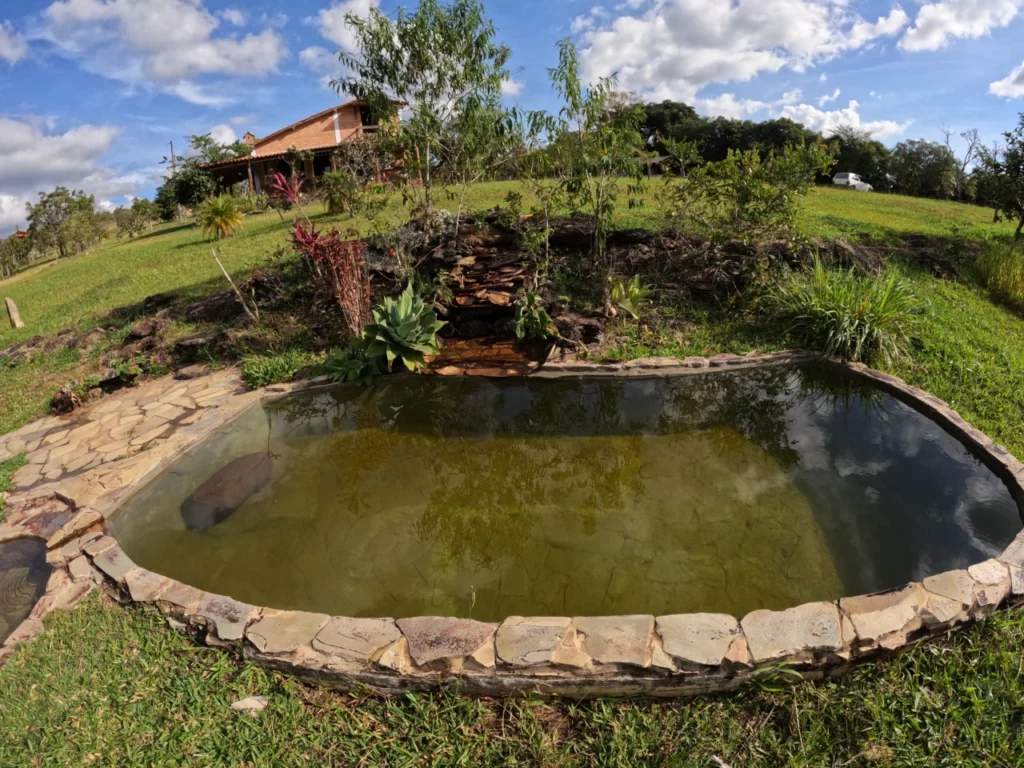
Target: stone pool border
67,505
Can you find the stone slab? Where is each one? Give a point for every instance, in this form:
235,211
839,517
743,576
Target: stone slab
956,585
114,562
227,618
440,637
356,639
877,616
617,639
525,642
698,638
145,586
284,631
777,635
183,596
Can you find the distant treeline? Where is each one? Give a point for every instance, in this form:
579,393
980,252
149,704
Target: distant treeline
913,167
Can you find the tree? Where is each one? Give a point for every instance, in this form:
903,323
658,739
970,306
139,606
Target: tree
1001,172
207,149
860,154
191,185
669,120
594,146
973,145
924,169
15,253
64,221
440,61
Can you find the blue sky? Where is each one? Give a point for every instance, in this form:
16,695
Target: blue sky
92,91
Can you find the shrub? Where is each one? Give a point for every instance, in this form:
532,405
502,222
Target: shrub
340,268
1002,272
220,216
630,296
744,196
532,320
845,314
263,370
403,330
257,202
352,364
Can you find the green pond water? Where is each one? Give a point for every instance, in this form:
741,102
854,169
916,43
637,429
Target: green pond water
724,492
23,577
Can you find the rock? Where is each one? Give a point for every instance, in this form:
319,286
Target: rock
440,637
993,583
145,329
955,585
252,705
182,596
1014,554
114,562
698,638
284,631
226,618
796,632
524,642
617,639
356,639
156,302
864,260
79,569
190,372
886,616
145,586
216,499
65,401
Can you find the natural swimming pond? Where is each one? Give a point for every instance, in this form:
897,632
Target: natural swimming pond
724,492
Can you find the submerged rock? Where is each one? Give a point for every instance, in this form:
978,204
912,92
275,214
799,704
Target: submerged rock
216,499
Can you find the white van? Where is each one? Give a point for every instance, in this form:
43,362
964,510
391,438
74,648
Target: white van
853,181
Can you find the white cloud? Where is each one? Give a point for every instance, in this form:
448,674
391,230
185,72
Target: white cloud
233,16
937,23
511,87
333,27
1011,86
13,46
158,44
32,160
823,78
322,62
223,134
827,121
677,47
240,121
826,99
727,105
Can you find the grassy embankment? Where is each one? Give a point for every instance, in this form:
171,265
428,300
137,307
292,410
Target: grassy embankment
108,686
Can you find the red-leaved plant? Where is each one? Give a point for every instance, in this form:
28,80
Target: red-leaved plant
341,262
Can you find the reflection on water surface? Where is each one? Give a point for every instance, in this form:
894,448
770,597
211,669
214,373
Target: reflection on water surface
725,492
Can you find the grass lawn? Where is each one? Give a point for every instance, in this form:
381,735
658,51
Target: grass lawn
105,685
109,686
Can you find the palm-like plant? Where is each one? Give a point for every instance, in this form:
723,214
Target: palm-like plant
220,216
403,330
630,296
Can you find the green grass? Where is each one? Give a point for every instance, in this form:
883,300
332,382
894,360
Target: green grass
110,686
262,370
7,469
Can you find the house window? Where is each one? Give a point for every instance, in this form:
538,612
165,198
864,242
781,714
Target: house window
365,116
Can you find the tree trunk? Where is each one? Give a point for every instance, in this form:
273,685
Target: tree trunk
1020,228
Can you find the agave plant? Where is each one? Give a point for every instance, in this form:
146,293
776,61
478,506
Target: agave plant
630,296
403,330
220,216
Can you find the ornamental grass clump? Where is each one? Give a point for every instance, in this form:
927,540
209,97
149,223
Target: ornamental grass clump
1002,271
220,216
848,315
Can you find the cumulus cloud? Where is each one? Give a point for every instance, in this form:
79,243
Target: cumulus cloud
163,45
331,21
1011,86
511,87
233,16
13,46
321,62
32,160
826,99
828,121
727,105
223,134
937,23
677,47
